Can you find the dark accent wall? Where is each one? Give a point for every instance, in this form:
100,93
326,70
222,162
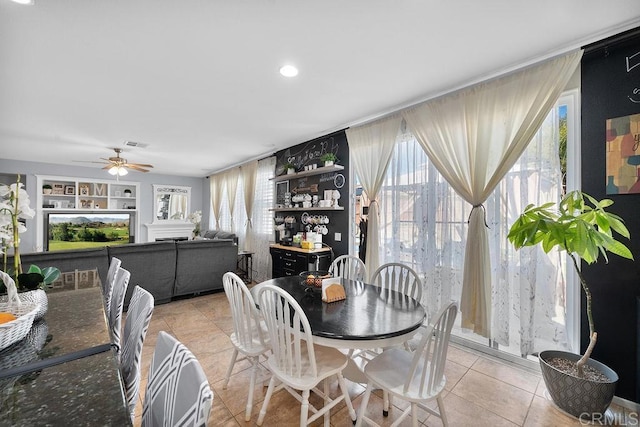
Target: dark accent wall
309,153
611,88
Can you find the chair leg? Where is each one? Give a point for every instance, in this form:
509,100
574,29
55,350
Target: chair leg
230,368
267,398
443,415
326,401
252,383
304,408
414,414
363,405
385,405
347,398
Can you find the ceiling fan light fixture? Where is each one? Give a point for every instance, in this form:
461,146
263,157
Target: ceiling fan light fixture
118,170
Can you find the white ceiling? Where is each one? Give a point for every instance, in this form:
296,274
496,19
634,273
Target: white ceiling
197,80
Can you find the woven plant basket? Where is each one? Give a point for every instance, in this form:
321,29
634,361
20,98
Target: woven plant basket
38,296
15,330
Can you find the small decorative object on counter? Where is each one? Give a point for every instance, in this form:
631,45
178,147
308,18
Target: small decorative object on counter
332,290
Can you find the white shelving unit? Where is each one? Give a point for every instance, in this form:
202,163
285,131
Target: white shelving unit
75,195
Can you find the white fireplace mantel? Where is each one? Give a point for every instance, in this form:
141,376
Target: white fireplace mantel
168,229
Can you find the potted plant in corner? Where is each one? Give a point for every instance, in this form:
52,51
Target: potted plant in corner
582,228
329,158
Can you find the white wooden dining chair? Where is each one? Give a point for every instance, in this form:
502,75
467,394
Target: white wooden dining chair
107,285
177,393
116,304
295,361
348,267
249,337
400,278
135,329
417,377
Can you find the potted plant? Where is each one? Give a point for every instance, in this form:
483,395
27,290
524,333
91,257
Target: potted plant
290,168
14,208
582,228
329,158
47,189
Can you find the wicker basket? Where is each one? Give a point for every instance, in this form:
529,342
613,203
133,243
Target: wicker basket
15,330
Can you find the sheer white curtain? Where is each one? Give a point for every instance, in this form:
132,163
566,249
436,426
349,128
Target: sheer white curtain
261,234
370,148
249,172
423,223
216,189
473,137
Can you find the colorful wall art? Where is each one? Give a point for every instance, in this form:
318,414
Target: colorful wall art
623,155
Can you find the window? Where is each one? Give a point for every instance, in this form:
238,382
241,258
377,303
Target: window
424,225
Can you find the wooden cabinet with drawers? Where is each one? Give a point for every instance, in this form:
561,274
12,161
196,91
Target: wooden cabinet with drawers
290,260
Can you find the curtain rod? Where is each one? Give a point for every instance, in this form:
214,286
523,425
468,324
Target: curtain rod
611,41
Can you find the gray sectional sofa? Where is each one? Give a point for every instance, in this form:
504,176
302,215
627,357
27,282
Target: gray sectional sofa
167,269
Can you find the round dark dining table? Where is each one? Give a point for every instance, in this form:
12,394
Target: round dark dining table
369,317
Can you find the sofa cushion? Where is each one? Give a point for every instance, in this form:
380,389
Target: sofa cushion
225,235
210,234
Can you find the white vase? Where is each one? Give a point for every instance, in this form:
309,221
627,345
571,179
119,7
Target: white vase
328,163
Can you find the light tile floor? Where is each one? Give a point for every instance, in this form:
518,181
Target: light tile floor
480,391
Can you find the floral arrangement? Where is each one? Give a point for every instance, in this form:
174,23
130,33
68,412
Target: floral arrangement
14,209
195,218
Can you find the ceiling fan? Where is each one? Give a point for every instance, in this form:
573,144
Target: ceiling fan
118,165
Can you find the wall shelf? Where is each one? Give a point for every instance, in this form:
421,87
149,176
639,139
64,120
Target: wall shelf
316,171
339,208
70,195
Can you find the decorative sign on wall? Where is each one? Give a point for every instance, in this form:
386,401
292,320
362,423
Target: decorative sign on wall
623,154
307,154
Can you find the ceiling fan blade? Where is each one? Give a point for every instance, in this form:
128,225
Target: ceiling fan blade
135,167
107,167
88,161
142,165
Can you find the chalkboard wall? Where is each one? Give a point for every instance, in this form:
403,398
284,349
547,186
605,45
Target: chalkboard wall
309,153
611,88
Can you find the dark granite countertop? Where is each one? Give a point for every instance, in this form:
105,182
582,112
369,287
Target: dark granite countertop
83,392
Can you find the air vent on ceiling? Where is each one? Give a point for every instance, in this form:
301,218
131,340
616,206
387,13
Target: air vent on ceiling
135,144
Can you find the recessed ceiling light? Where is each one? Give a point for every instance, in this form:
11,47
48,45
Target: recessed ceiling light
23,1
289,71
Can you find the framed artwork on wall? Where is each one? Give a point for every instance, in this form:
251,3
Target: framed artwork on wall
282,188
69,190
623,154
57,189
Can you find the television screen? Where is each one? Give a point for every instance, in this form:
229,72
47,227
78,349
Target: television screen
87,230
